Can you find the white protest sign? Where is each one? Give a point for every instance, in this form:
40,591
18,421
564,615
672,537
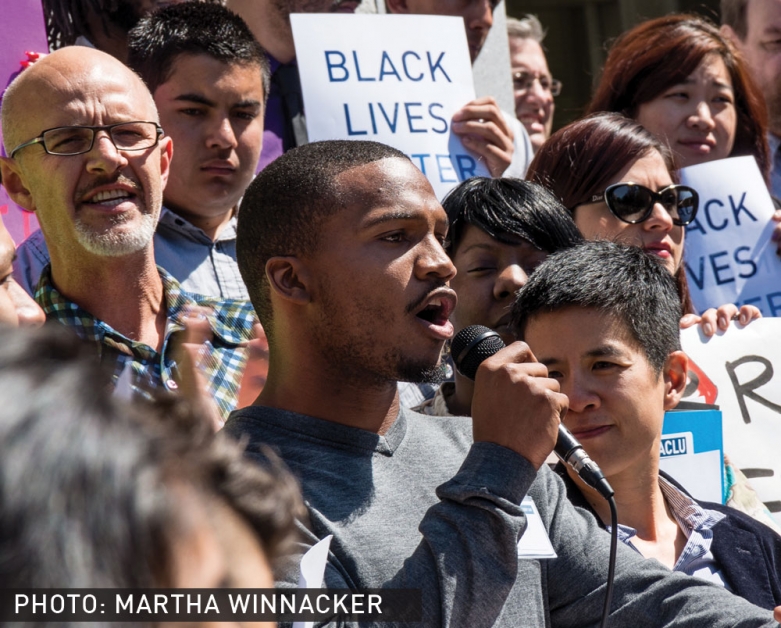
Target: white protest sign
395,79
729,257
740,371
313,565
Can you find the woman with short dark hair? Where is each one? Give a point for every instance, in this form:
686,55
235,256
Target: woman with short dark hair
499,231
618,181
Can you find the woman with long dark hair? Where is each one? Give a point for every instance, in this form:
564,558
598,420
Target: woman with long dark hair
685,82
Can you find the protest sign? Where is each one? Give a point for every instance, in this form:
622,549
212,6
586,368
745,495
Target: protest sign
691,452
395,79
740,370
729,257
21,30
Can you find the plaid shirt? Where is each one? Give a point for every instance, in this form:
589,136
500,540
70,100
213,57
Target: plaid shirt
231,322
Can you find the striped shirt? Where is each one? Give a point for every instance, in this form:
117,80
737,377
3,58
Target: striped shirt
231,322
697,524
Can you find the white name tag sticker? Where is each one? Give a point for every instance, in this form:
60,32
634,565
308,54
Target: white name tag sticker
535,542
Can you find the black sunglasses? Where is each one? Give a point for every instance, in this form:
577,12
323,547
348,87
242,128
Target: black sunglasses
634,203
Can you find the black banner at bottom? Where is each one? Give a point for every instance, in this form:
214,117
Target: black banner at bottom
158,605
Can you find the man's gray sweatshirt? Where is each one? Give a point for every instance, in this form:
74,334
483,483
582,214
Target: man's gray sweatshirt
422,507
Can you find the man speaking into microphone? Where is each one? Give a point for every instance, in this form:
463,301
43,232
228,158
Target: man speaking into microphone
340,246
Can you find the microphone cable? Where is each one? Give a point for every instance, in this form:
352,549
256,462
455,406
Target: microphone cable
611,565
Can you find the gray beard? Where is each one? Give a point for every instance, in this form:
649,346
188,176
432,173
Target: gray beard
110,244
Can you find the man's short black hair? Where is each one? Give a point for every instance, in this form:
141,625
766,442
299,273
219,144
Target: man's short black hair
286,204
620,280
507,209
93,490
192,28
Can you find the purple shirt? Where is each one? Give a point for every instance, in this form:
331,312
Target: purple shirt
273,123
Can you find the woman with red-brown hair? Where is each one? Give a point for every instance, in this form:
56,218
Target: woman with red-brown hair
619,181
686,83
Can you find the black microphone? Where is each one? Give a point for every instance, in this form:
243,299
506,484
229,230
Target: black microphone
476,343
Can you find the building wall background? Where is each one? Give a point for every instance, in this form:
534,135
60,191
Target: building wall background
579,33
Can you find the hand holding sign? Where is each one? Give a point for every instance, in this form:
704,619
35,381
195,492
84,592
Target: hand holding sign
739,371
483,130
719,319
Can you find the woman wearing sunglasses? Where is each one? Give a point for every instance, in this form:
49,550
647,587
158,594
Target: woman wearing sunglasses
618,180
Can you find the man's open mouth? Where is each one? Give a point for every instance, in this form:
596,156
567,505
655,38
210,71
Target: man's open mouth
110,197
437,311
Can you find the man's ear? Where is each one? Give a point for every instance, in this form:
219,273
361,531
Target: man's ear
728,33
166,153
397,6
14,184
675,372
289,278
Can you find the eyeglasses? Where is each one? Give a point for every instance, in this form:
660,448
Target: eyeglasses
524,81
634,203
76,140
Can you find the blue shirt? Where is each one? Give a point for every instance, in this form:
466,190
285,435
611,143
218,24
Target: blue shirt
775,160
697,524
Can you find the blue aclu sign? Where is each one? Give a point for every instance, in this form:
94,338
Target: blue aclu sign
691,451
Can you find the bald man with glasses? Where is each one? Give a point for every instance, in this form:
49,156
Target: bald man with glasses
87,154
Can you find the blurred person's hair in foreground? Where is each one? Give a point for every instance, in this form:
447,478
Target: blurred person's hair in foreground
95,492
